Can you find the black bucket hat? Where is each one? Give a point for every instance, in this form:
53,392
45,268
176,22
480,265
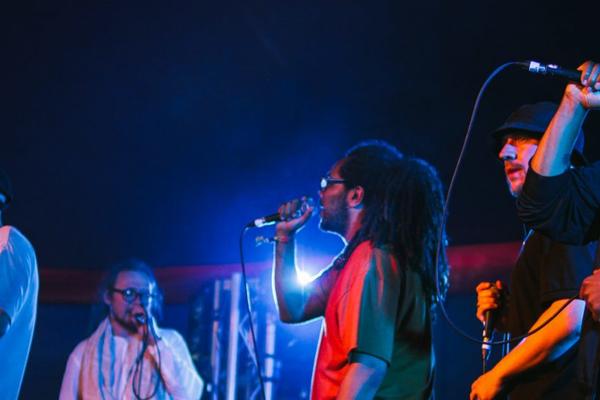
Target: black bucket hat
531,120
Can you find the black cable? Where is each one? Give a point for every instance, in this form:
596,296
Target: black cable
139,366
247,302
445,217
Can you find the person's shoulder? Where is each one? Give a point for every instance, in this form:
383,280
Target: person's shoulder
364,248
78,352
171,335
11,235
362,253
374,257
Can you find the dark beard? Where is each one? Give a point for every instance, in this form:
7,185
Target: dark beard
335,220
128,325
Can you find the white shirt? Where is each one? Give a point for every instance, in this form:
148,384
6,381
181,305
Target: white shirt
19,284
181,381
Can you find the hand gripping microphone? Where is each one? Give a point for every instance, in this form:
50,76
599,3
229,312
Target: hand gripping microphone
490,318
276,217
551,70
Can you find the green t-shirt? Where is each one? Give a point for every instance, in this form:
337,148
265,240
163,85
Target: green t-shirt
376,307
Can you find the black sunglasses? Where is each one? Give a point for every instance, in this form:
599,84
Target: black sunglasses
327,180
130,294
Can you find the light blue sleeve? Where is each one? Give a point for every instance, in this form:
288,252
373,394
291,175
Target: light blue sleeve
17,265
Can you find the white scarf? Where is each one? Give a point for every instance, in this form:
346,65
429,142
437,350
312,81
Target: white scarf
108,365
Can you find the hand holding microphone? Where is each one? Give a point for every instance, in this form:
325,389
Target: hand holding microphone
584,88
293,216
489,298
287,211
587,90
490,301
146,327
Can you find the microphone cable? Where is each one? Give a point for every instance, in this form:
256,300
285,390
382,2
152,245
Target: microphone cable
248,304
139,365
440,299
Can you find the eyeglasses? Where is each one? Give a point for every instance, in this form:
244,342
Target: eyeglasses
327,180
130,294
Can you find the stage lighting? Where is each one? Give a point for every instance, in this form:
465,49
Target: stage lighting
303,277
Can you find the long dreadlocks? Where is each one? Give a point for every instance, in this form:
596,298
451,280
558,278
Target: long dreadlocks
409,217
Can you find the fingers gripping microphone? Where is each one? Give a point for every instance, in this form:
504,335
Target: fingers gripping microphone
551,70
274,218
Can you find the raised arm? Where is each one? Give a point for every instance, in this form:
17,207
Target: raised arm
559,202
554,151
295,302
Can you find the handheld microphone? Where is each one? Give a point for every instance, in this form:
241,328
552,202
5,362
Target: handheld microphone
141,318
551,70
276,217
490,318
489,321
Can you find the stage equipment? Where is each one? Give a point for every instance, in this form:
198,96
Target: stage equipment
221,341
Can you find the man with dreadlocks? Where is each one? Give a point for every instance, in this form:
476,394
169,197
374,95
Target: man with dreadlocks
377,296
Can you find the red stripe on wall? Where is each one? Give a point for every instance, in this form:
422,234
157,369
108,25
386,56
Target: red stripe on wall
469,265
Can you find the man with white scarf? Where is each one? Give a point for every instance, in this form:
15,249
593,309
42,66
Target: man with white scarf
128,356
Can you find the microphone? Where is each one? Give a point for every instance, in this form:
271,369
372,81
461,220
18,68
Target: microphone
489,321
141,318
490,318
551,70
276,217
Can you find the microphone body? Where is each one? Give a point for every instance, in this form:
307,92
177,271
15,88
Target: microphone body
141,318
488,330
490,317
552,70
276,217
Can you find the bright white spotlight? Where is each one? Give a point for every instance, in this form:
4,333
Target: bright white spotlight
304,278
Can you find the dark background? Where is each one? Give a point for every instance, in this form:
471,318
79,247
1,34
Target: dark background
158,130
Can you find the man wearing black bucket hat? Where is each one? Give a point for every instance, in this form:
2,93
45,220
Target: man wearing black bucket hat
564,203
18,299
545,276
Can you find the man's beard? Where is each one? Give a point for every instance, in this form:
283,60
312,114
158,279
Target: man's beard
334,219
128,324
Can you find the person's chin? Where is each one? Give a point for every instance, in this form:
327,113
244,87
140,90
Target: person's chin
128,324
515,190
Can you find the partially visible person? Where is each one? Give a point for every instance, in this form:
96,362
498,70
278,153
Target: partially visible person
376,298
129,356
546,275
564,202
19,284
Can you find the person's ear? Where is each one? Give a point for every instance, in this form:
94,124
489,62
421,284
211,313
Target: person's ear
355,196
106,298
